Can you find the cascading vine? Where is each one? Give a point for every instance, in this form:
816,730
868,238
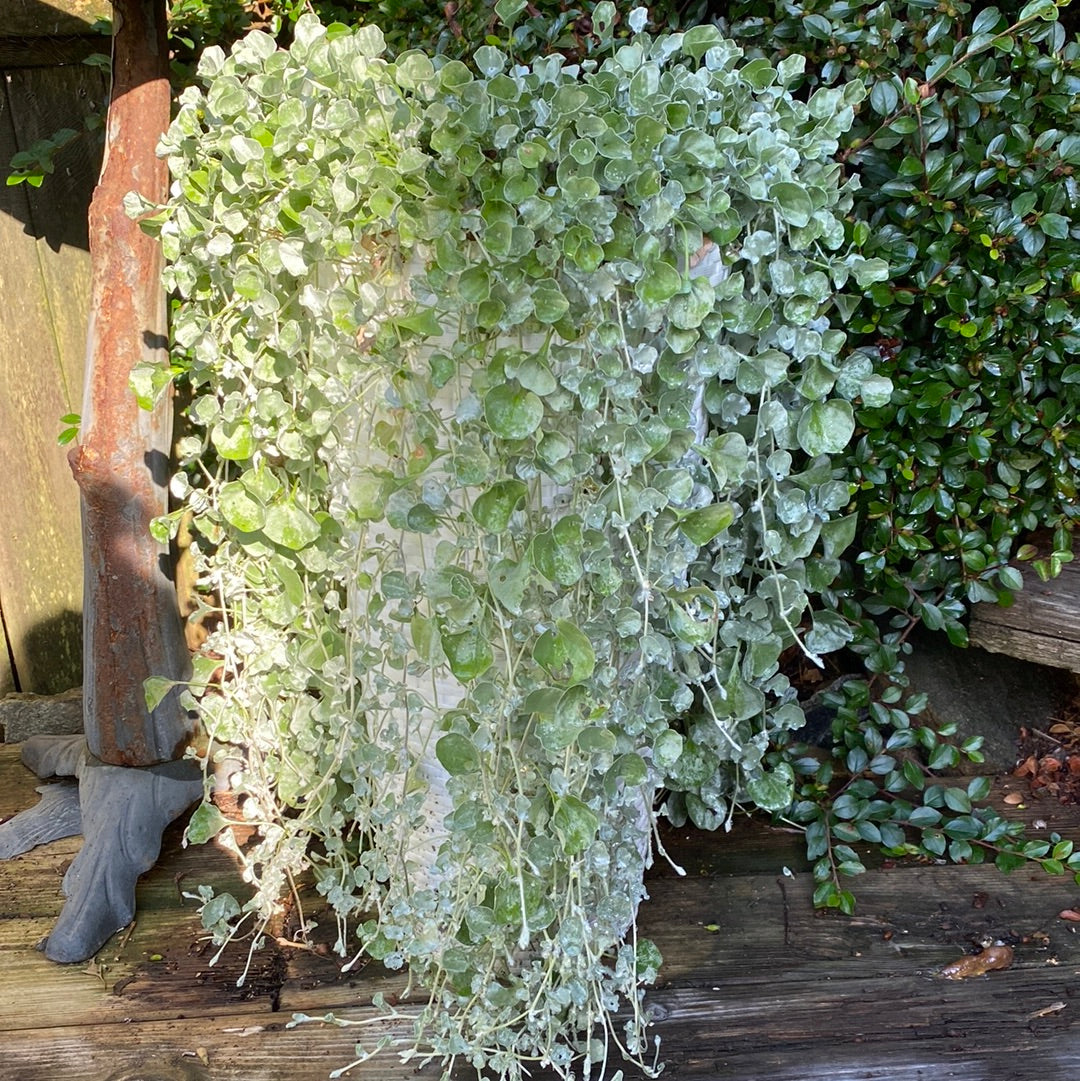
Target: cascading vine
512,394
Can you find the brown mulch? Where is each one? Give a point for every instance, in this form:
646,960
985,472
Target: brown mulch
1050,759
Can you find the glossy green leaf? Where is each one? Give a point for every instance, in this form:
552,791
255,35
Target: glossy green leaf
549,303
838,535
205,823
368,494
468,653
628,769
240,508
426,639
508,581
688,628
1038,9
556,561
559,728
794,203
566,653
233,440
773,791
697,40
155,689
1054,225
660,282
575,824
668,748
707,523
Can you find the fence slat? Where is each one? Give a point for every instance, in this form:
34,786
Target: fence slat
44,282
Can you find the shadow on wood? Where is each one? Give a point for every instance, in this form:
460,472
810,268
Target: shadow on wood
45,282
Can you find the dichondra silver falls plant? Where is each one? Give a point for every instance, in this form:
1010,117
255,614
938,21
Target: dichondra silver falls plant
512,395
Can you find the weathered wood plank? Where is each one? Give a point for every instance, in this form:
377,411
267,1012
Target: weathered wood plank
223,1047
52,18
886,1029
48,52
34,587
756,986
940,1040
1042,626
51,33
161,966
17,783
779,992
44,279
836,997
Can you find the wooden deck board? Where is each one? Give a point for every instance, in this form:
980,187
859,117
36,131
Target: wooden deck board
776,992
1041,626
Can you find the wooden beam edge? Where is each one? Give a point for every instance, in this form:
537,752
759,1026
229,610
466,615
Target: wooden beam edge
42,52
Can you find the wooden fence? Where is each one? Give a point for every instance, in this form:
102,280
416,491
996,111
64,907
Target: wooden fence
44,289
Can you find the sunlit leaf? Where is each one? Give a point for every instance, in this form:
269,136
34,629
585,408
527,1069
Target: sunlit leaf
826,427
512,412
289,525
706,523
205,823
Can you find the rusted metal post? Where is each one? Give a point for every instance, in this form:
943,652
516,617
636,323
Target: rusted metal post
131,624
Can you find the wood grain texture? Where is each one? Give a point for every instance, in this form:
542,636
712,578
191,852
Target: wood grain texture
1042,626
756,985
44,279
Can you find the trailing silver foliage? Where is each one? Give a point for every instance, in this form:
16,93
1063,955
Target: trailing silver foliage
514,390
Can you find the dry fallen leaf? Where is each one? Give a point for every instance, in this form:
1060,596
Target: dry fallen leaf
993,957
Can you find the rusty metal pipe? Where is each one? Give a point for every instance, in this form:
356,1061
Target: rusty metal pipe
131,624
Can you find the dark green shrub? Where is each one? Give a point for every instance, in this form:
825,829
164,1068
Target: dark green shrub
966,146
530,29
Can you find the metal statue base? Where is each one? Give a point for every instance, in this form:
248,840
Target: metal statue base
121,812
